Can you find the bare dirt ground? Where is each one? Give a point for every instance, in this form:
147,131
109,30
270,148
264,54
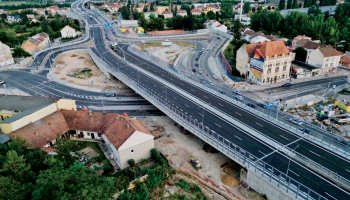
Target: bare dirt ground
218,171
68,62
169,53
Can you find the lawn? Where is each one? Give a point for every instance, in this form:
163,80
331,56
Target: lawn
229,52
93,145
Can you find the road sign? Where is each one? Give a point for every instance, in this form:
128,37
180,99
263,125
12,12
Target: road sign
270,105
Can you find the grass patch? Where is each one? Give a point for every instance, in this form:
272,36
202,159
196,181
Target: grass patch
344,92
80,73
153,44
93,145
228,52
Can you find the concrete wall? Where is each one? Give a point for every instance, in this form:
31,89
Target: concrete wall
101,66
66,104
315,58
242,59
88,134
136,152
263,186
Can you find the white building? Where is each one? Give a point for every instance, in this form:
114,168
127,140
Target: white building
12,19
326,58
245,19
68,32
257,39
167,14
182,13
5,55
264,63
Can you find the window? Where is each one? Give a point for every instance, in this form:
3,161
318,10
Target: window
277,69
132,151
15,111
327,59
270,65
268,71
326,65
332,59
88,134
285,63
284,67
331,64
278,64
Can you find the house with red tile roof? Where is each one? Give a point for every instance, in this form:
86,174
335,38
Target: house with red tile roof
264,62
325,58
196,11
124,138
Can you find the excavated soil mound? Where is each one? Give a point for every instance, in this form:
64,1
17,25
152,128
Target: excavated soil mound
81,57
74,55
60,62
229,180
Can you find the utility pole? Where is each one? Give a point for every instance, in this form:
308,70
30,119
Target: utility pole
296,94
325,95
240,13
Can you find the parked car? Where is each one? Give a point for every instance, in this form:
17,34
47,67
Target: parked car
239,98
210,82
262,105
222,92
218,38
2,82
202,80
197,59
199,71
305,130
110,94
197,65
295,121
166,40
215,76
251,105
287,85
194,70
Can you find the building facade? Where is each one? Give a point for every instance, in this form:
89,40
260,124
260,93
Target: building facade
167,14
264,63
182,13
36,43
68,32
326,58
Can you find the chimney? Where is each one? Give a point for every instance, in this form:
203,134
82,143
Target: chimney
127,125
36,133
90,112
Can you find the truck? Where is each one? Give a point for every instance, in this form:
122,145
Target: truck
342,119
114,47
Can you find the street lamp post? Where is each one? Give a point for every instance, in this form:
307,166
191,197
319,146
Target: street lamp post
202,117
295,99
289,161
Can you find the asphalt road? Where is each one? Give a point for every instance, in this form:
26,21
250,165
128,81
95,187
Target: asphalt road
227,130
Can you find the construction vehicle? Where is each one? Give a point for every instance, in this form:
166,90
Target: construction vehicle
114,47
195,163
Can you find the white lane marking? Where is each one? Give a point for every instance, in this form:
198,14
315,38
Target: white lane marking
238,114
259,124
192,90
238,138
220,104
218,125
347,170
174,97
284,137
186,105
262,152
330,195
186,113
294,173
315,153
205,96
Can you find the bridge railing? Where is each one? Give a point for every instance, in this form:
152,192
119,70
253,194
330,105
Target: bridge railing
233,151
319,137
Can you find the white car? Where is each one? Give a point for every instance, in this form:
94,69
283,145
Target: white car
166,40
199,71
215,77
2,82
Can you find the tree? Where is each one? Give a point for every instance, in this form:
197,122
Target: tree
136,15
300,54
295,4
246,7
145,9
226,10
187,8
45,26
307,3
236,29
313,2
58,183
11,189
211,15
15,165
289,4
19,52
63,148
253,9
152,7
122,183
152,16
142,21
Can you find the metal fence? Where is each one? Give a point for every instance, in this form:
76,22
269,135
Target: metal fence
251,162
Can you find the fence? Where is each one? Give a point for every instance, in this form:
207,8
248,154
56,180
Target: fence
251,162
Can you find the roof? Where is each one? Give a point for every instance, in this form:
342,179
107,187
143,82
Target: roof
22,103
302,41
42,132
67,28
195,10
329,51
302,37
182,11
269,49
311,45
4,138
345,60
167,12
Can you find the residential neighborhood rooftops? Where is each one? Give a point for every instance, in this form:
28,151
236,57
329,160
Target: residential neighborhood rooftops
167,12
4,138
311,45
67,28
195,10
182,11
268,49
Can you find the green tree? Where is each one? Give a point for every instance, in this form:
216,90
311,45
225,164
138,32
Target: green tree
122,183
152,16
142,21
15,165
169,23
253,9
295,4
187,8
145,9
226,10
307,3
282,5
63,148
236,29
11,189
45,26
246,7
61,183
289,4
11,36
313,2
211,15
19,52
152,7
136,15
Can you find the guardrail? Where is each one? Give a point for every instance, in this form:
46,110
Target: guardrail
284,182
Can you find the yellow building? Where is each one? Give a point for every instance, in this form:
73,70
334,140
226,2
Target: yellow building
140,30
19,111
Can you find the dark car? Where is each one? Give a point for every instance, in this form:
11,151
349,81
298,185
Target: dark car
222,92
196,65
110,94
194,70
197,59
218,38
2,82
287,85
251,105
305,130
262,105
